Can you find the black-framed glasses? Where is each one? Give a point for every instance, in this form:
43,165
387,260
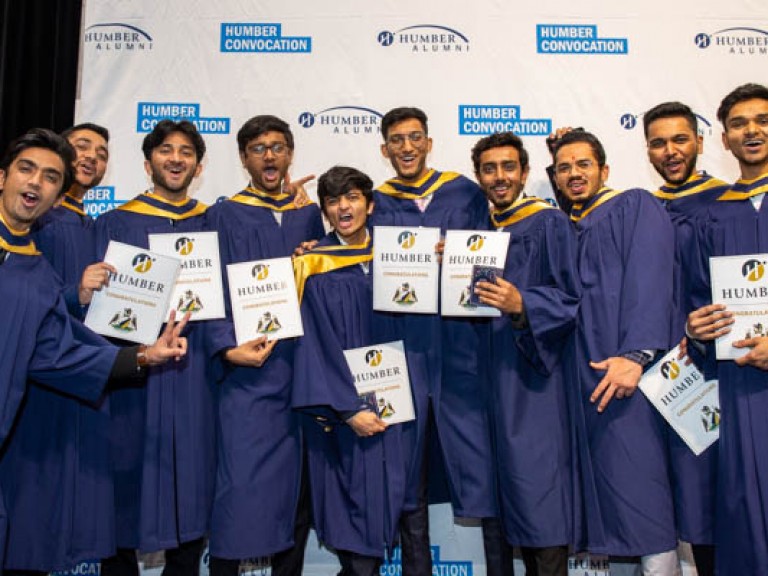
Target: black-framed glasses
278,148
579,166
398,140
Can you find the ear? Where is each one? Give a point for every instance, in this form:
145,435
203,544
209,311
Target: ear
369,210
699,144
524,175
429,145
604,172
198,170
725,142
2,178
148,168
242,158
385,151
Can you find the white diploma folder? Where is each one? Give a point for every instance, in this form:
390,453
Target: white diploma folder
264,300
381,378
465,250
133,306
198,289
689,403
405,269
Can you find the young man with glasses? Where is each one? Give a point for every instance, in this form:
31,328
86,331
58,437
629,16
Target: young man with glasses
261,507
449,388
625,264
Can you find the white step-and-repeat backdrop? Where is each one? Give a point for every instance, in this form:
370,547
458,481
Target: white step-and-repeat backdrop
332,69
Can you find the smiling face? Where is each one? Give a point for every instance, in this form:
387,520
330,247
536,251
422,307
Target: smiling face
501,175
91,161
30,186
746,136
577,172
347,213
673,148
267,159
407,147
172,166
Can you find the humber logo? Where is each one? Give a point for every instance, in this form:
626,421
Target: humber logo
184,246
373,357
406,239
628,121
141,263
475,242
480,119
425,38
670,370
260,271
148,114
117,37
753,270
739,40
261,37
576,39
100,199
344,120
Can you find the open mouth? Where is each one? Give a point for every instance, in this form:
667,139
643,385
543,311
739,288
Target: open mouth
753,144
577,186
86,169
30,199
176,170
345,220
673,165
271,174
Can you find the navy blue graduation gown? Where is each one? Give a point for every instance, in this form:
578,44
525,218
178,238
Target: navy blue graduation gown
533,380
443,357
62,512
259,452
162,434
357,484
625,265
741,528
40,342
693,477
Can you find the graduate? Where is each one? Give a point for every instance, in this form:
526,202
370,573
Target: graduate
674,145
448,388
356,470
737,223
260,498
625,263
41,342
531,360
56,525
163,435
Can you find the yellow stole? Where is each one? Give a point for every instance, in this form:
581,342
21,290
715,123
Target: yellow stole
328,258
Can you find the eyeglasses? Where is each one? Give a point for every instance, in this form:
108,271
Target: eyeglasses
580,165
278,148
398,140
